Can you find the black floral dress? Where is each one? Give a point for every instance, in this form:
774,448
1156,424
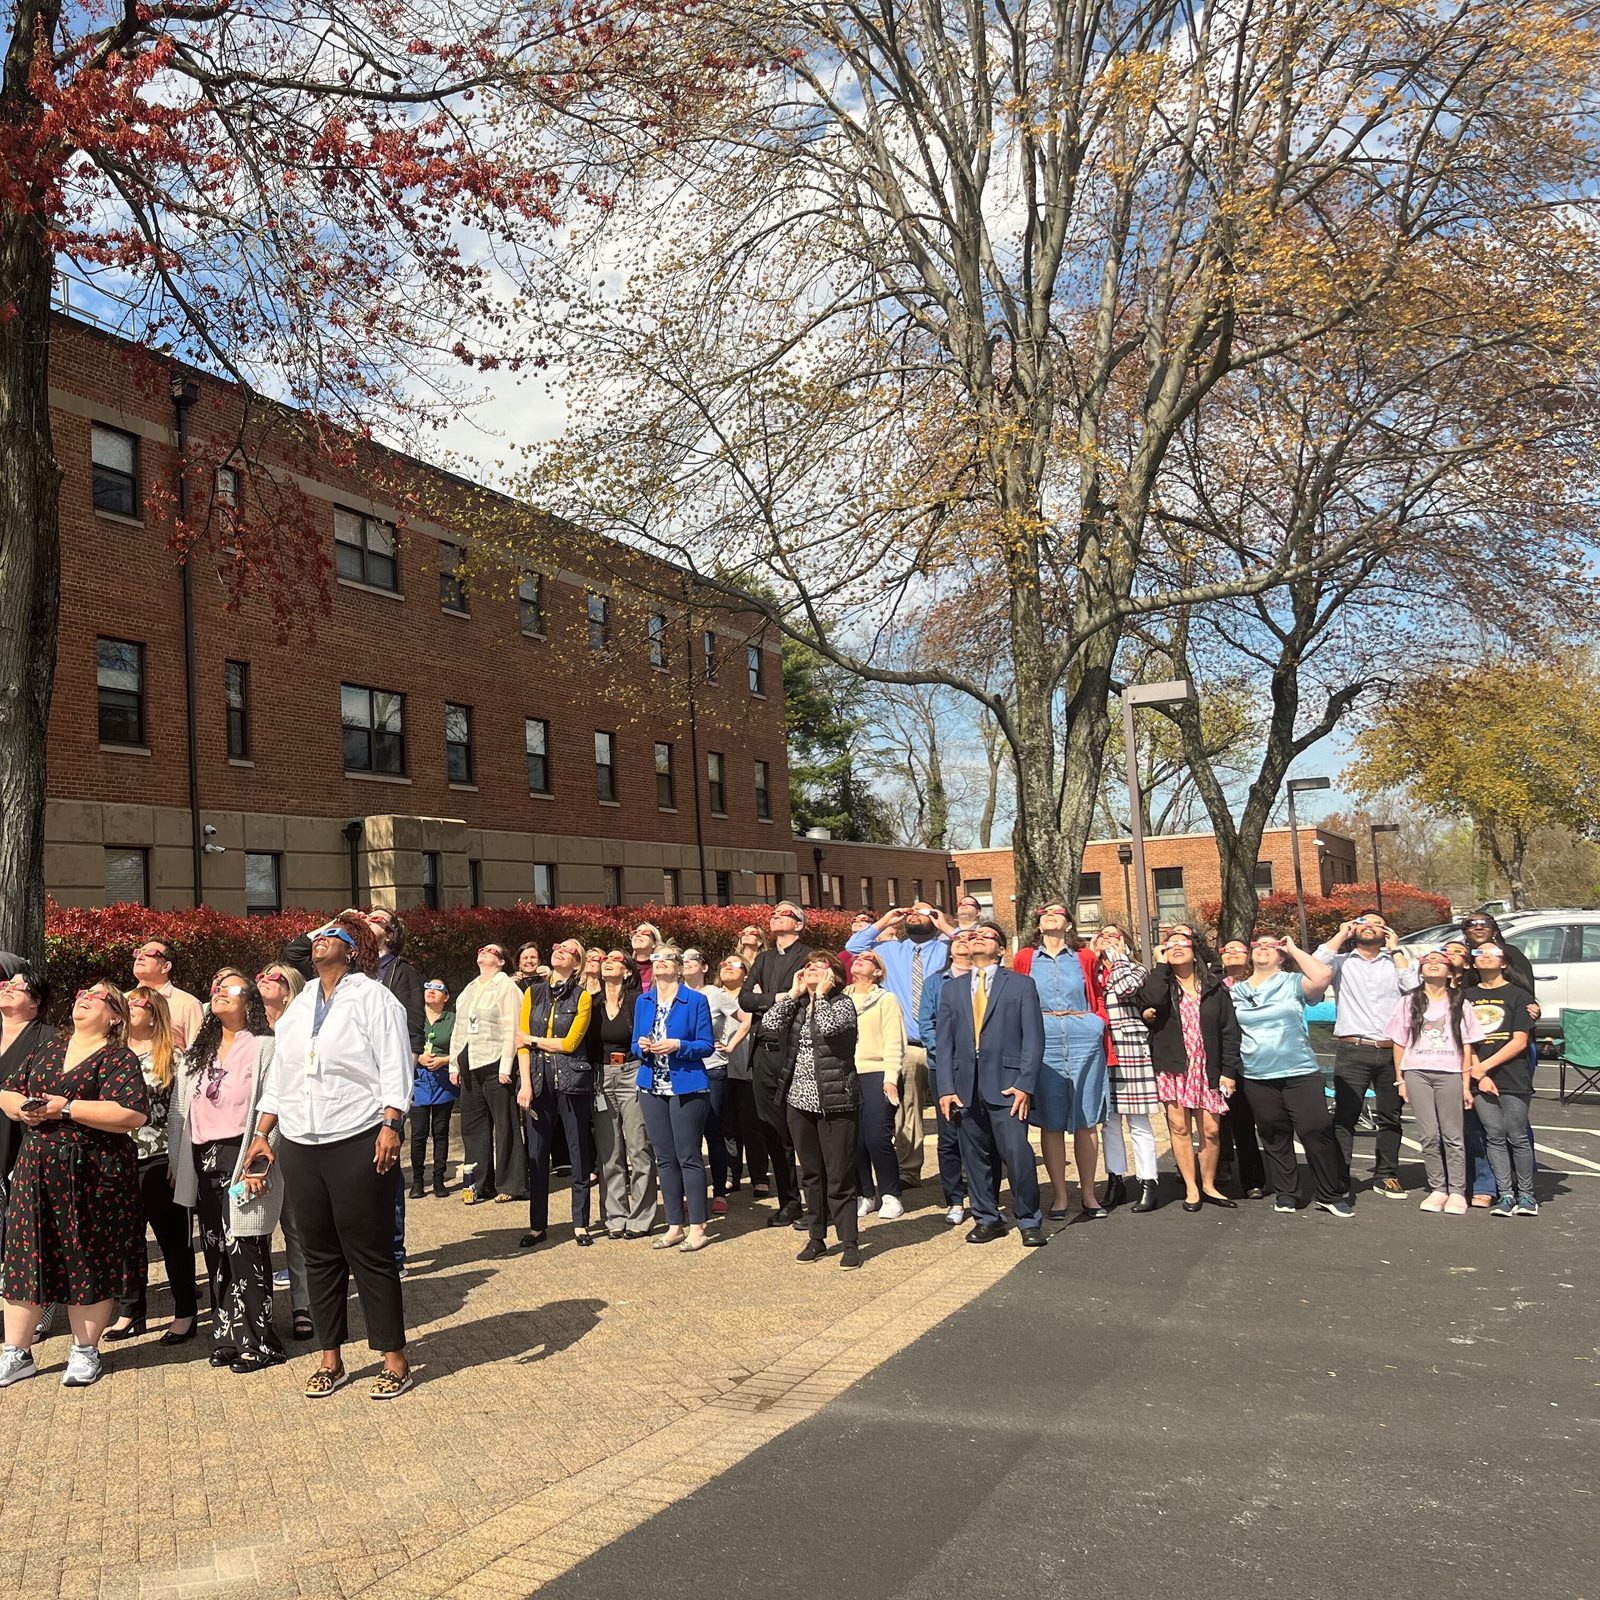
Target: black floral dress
74,1230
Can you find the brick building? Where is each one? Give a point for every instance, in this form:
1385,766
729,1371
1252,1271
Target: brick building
1185,874
488,706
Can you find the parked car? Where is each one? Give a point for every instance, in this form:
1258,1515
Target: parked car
1563,948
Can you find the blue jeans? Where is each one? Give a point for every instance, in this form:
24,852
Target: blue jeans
877,1167
716,1142
676,1124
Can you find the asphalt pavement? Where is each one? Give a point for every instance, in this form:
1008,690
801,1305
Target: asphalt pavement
1223,1405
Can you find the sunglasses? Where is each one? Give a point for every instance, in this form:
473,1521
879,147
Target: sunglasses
233,989
95,994
270,977
1478,922
137,1002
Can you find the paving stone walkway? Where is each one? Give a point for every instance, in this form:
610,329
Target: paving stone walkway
563,1396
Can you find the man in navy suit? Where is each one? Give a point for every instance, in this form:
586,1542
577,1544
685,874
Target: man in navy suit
989,1051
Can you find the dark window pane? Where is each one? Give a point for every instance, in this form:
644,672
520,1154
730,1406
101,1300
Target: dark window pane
347,561
382,572
388,753
357,750
126,877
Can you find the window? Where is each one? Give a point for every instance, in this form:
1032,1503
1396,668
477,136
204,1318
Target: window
670,882
119,682
708,649
430,879
1589,942
763,791
866,894
807,893
530,604
474,882
664,794
752,661
1547,942
916,890
716,783
833,890
769,887
1089,912
236,693
363,549
613,890
544,883
263,884
127,876
724,888
458,743
1171,906
658,639
893,885
605,770
1263,879
938,893
374,729
452,586
536,736
981,890
599,622
115,459
225,489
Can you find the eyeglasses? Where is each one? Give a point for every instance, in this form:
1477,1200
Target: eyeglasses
95,994
154,951
270,977
137,1002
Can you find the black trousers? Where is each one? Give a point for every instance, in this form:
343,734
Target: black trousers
1356,1068
426,1120
775,1126
827,1150
344,1209
1238,1139
172,1226
742,1132
554,1113
491,1133
1284,1108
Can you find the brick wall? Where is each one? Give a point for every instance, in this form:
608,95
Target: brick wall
121,578
873,877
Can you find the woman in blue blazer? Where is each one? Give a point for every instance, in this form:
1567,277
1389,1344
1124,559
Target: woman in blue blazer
672,1038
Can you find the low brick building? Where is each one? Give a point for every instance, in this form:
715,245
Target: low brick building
1185,874
428,693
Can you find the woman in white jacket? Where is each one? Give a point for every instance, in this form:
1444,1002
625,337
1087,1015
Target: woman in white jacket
483,1059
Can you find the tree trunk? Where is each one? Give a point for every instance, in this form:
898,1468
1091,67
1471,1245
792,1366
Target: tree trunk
30,535
936,829
991,792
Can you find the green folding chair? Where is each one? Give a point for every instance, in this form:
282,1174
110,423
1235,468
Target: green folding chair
1580,1050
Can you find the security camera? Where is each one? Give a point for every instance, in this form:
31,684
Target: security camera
216,849
209,831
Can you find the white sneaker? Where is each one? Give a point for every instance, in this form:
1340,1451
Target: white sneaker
863,1207
956,1215
83,1367
889,1208
15,1365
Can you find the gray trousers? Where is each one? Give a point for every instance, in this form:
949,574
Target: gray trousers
1508,1139
1440,1113
627,1163
294,1256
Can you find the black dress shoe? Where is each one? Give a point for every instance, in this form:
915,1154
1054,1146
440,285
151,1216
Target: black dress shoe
133,1331
529,1240
417,1191
987,1233
1116,1190
169,1337
1255,1192
1093,1213
1191,1206
439,1188
815,1250
785,1215
1219,1200
582,1236
223,1358
1032,1238
1149,1196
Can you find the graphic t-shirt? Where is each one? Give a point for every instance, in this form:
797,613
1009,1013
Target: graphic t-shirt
1501,1012
1434,1048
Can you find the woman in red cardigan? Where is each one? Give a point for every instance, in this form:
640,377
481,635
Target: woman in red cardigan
1072,1095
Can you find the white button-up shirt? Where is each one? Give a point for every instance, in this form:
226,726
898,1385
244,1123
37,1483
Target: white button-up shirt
332,1081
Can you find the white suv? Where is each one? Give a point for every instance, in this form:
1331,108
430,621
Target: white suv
1563,948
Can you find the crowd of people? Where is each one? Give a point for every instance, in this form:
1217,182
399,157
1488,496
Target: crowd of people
664,1080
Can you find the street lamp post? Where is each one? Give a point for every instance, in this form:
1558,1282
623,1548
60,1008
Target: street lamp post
1301,786
1125,856
1175,691
1377,876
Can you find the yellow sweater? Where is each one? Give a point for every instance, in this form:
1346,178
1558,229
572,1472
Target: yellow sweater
880,1033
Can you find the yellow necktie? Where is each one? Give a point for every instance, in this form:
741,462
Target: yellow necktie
980,994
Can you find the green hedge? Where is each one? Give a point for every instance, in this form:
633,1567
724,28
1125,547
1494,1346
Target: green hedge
86,945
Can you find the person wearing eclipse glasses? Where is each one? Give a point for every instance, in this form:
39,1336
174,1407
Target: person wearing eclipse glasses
337,1092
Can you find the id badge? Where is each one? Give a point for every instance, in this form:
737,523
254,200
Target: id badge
472,1024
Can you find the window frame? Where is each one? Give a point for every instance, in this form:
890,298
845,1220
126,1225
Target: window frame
548,868
763,791
723,880
533,606
541,755
452,586
717,783
666,779
708,654
463,745
236,717
608,766
1262,889
366,525
136,695
597,611
656,634
274,858
373,731
755,668
432,879
142,855
104,476
614,887
672,886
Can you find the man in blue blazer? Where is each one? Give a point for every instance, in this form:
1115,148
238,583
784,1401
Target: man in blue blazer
989,1051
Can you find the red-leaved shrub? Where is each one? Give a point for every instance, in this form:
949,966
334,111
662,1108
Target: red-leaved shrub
1405,908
